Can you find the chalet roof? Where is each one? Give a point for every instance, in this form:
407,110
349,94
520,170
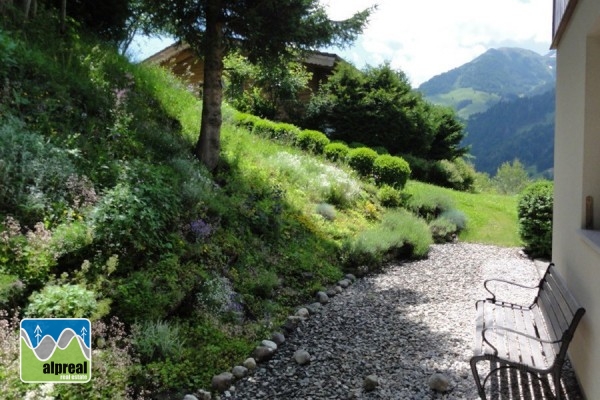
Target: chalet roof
316,58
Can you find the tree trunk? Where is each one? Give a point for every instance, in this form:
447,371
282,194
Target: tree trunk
26,6
208,147
63,16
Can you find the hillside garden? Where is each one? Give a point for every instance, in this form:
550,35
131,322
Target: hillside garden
105,214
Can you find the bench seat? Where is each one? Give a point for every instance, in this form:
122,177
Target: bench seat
532,338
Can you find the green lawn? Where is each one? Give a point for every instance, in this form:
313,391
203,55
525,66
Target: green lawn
491,218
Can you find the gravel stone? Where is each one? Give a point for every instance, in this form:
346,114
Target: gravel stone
344,283
439,382
302,357
222,381
239,372
322,298
302,312
278,338
262,353
370,383
270,344
315,308
405,324
250,363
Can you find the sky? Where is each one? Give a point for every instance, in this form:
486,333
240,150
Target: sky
425,38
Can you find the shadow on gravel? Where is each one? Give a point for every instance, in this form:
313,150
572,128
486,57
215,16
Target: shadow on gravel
515,385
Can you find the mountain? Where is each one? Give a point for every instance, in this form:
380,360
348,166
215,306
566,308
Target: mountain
520,129
496,75
506,98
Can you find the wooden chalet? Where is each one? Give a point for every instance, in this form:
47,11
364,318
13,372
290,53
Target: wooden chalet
183,62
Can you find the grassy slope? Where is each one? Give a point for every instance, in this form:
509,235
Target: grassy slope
491,218
298,245
476,101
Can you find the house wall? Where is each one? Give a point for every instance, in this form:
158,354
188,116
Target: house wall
576,251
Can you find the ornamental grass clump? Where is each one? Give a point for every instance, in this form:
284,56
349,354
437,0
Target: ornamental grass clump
400,234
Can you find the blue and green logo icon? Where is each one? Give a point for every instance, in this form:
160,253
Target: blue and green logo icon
56,350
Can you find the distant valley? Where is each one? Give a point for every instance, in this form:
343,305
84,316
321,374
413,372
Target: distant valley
506,99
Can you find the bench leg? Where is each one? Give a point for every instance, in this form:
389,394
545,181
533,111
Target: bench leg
480,388
556,378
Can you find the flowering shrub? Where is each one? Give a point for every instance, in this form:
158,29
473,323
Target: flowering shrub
31,256
217,296
334,185
11,386
200,230
112,366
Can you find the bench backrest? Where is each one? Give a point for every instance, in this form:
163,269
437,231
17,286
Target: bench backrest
561,310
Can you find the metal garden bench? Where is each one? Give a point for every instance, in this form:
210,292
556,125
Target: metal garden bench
530,338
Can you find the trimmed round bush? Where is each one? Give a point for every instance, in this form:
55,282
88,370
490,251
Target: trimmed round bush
534,210
391,170
336,151
313,141
362,159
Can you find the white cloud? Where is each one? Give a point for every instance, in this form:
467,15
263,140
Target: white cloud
427,37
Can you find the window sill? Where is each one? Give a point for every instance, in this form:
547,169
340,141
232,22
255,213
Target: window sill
592,238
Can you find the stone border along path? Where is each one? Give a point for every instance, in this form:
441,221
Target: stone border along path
406,333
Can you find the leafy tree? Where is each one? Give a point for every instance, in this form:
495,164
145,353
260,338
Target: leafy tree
511,178
269,91
448,135
378,107
266,31
106,19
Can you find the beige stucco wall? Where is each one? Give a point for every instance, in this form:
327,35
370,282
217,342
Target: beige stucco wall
577,175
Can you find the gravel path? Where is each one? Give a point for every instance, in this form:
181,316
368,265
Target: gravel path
403,325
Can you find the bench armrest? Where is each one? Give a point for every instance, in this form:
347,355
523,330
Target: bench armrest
501,328
493,298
